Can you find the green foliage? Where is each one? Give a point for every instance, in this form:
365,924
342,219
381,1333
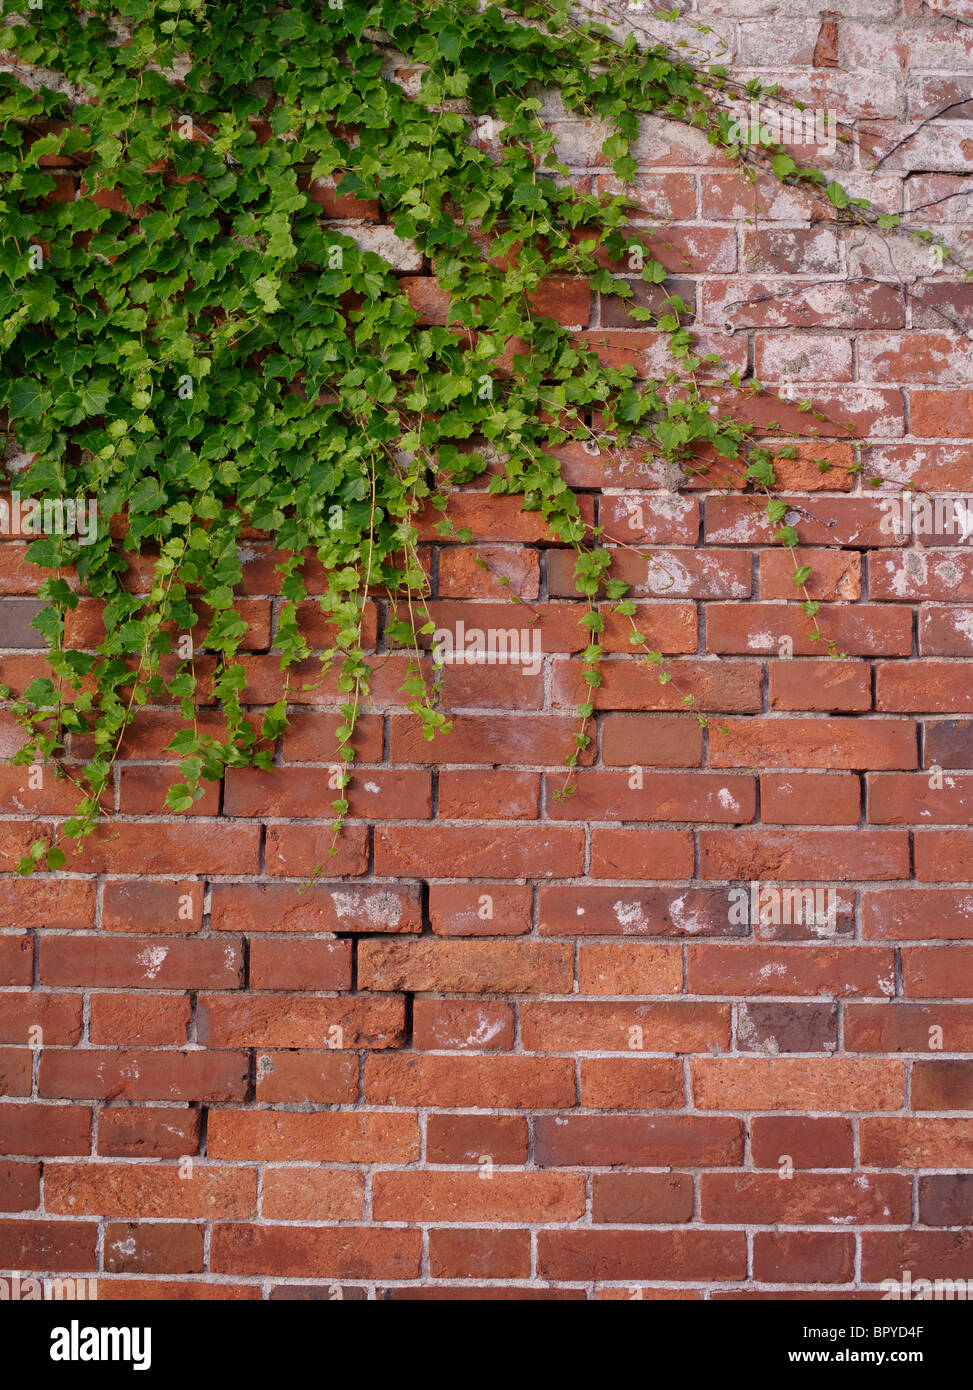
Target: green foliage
198,348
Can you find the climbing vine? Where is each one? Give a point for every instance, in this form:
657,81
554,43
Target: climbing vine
193,344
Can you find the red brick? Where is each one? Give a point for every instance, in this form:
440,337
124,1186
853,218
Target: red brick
174,1290
53,1246
209,847
915,914
295,791
141,963
322,1077
50,905
930,358
133,1190
639,1142
339,1252
520,1197
300,965
30,1129
934,687
627,685
792,969
946,1201
139,905
903,577
666,796
297,1194
835,575
676,1255
459,1025
340,205
825,743
478,1293
832,686
943,631
831,521
942,414
311,737
478,1254
792,1083
466,967
323,1137
813,798
304,851
930,1255
632,1083
945,1084
936,972
142,791
904,799
481,909
252,1020
20,1186
321,907
682,1026
708,574
460,576
473,852
943,856
59,1017
629,969
128,1132
821,1142
16,960
493,519
636,853
908,1027
638,518
904,1142
774,1027
507,795
658,740
817,854
472,1138
151,1248
143,1074
140,1020
856,630
16,1071
790,250
608,911
486,1083
810,1257
764,1199
642,1198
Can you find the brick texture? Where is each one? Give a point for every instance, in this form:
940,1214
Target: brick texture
702,1029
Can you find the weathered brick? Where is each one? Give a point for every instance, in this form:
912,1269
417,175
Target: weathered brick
512,1083
466,967
639,1142
470,1138
322,1137
790,1083
255,1020
688,1255
109,1189
339,1252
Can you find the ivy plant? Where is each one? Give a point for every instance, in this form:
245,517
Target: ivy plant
193,342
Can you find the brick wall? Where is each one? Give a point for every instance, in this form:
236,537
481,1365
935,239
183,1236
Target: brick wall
511,1046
